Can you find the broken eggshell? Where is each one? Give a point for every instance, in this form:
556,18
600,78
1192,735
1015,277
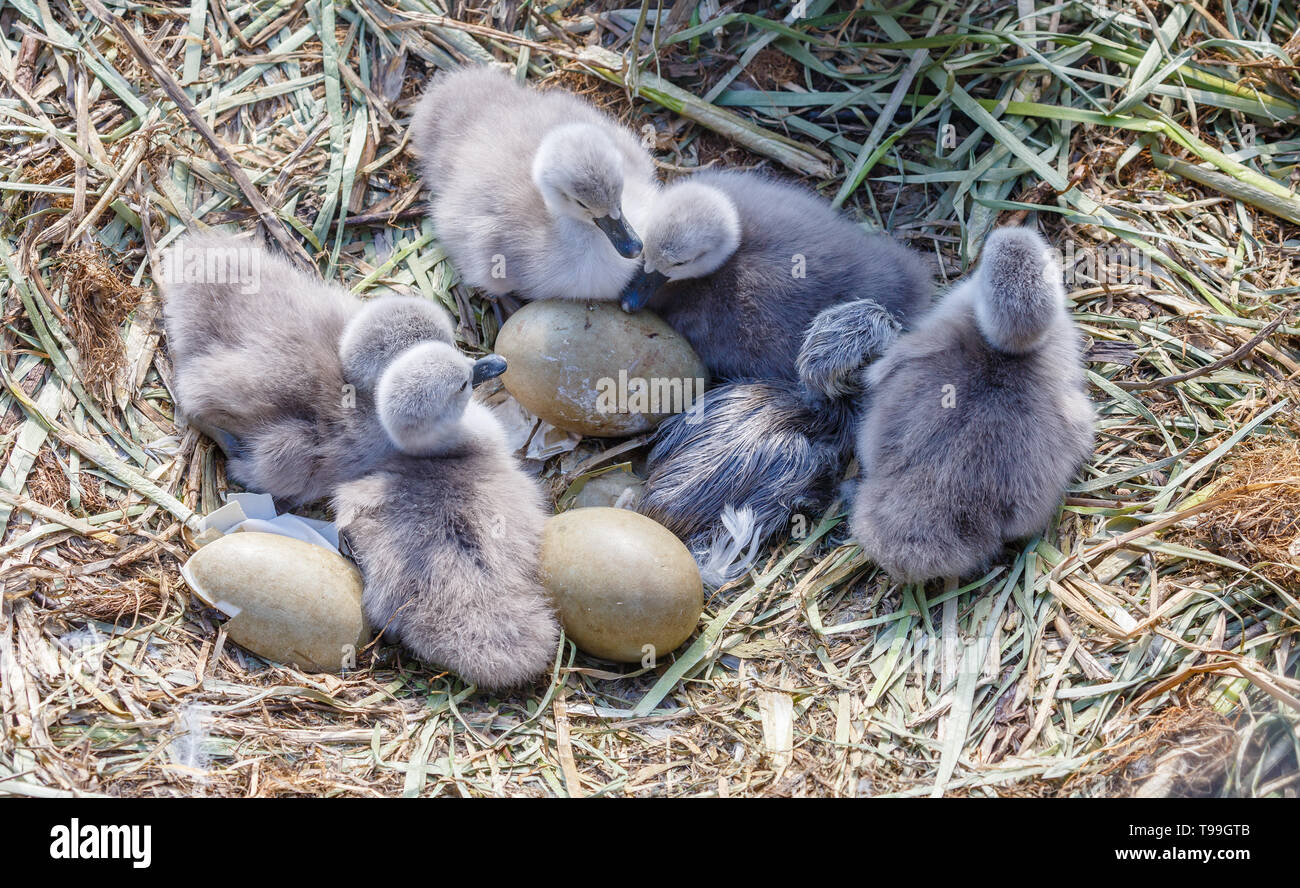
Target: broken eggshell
624,587
593,369
289,601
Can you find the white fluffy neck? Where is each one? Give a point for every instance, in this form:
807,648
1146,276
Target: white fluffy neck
476,425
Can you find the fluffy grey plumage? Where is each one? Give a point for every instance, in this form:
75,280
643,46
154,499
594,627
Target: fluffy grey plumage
256,348
977,419
740,264
757,444
443,524
531,192
448,546
840,342
383,329
766,449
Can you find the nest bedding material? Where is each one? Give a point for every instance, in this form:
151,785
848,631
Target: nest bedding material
1145,644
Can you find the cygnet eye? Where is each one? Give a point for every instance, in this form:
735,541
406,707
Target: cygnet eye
464,385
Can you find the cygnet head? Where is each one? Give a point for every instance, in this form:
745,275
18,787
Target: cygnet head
385,328
579,172
422,395
692,230
1019,293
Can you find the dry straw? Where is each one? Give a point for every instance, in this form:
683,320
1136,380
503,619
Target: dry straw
1146,644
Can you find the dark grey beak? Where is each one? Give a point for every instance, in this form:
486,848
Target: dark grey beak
489,367
231,446
620,235
641,289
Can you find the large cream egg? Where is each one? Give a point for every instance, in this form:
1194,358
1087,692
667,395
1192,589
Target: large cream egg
594,369
288,601
625,588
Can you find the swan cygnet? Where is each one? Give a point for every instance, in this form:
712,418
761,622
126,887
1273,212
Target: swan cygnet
740,263
536,194
279,367
977,419
732,471
448,534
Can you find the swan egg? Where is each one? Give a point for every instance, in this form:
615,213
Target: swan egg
287,600
593,369
625,588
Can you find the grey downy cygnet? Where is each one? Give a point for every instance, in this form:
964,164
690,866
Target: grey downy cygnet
977,419
740,263
448,534
737,467
279,367
535,194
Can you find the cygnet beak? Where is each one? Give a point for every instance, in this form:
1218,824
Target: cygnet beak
620,234
489,367
231,446
641,289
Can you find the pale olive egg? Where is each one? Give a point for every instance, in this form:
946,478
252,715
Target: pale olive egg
625,588
617,487
288,601
594,369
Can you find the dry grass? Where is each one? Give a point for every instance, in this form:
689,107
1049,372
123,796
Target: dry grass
1183,753
99,301
1145,645
1261,524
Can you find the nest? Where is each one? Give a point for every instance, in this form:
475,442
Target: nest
824,676
1182,752
100,299
1260,525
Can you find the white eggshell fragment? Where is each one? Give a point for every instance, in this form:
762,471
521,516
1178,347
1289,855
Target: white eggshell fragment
594,369
288,600
625,588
